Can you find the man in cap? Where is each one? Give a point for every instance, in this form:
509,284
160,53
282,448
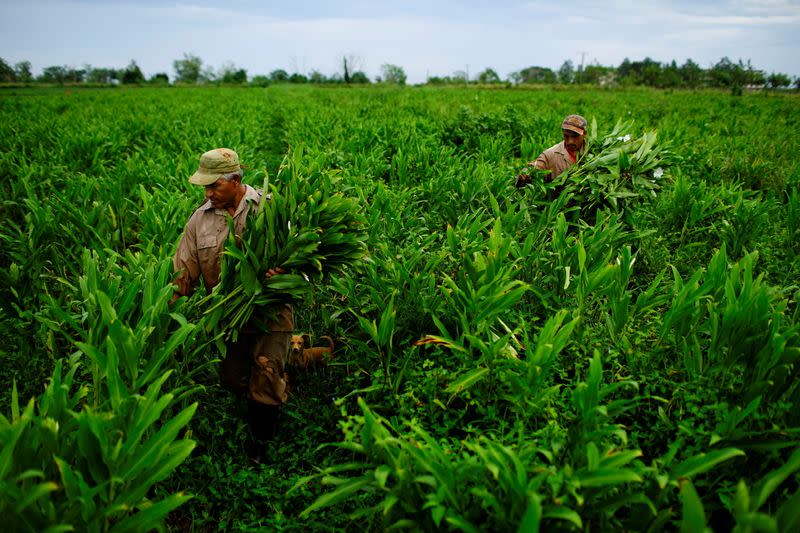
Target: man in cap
563,155
254,365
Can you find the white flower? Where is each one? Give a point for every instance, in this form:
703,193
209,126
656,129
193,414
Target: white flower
624,139
657,173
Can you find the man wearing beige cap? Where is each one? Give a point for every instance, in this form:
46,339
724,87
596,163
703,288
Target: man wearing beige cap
254,365
563,155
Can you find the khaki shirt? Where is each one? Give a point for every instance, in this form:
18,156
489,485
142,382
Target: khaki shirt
201,246
556,159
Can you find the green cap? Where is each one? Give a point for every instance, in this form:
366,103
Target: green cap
214,164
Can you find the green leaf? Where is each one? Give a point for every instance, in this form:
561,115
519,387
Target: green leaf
694,518
773,480
386,325
467,380
607,476
563,513
342,493
35,493
533,515
788,515
152,515
703,462
14,402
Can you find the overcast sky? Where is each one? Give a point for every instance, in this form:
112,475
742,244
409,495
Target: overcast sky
425,37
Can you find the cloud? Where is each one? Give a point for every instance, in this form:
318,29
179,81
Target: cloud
423,37
741,20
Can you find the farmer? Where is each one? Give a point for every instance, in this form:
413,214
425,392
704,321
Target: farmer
253,365
563,155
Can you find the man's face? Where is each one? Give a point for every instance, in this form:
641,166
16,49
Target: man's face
573,141
222,193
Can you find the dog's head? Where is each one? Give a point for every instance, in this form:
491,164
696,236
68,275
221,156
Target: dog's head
296,345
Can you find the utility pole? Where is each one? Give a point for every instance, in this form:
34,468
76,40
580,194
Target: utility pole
580,69
466,78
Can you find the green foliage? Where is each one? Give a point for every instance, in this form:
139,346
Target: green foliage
393,74
539,359
724,317
85,456
617,169
187,70
302,227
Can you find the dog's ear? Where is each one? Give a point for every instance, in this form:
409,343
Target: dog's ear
307,339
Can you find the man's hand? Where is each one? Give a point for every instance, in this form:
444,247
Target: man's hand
273,271
522,179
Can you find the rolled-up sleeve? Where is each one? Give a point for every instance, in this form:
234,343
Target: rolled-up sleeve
186,262
541,162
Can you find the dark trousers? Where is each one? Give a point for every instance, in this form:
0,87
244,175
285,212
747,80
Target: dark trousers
254,366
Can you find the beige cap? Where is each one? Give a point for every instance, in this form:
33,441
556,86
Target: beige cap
574,123
214,164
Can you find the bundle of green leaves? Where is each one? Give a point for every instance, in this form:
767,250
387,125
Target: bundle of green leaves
617,169
302,227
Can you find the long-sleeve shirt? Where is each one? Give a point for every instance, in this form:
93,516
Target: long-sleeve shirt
202,244
556,159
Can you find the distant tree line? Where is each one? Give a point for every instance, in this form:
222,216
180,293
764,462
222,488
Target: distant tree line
648,72
190,70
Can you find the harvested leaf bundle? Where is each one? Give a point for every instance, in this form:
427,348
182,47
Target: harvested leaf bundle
300,226
616,168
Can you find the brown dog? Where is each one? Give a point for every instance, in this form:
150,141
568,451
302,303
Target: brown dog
302,357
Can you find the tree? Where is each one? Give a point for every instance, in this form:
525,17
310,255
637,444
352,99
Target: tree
53,74
755,76
7,73
691,74
459,76
777,80
393,74
260,81
230,74
351,63
207,75
488,76
598,74
650,72
566,72
23,71
317,77
62,74
279,76
101,75
645,72
160,78
435,80
726,73
670,75
359,77
536,75
132,74
298,78
187,70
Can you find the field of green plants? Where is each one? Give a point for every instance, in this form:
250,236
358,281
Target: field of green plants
618,350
